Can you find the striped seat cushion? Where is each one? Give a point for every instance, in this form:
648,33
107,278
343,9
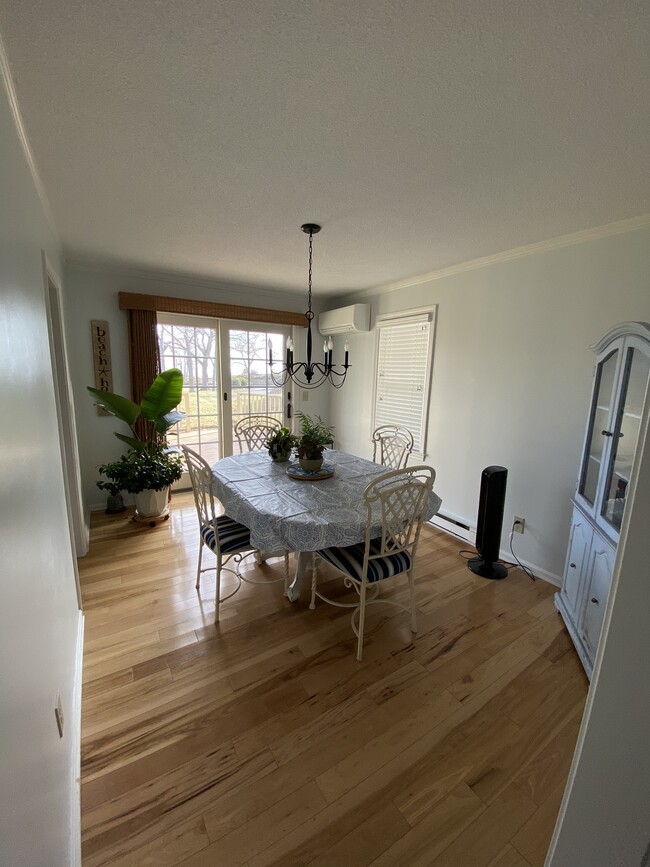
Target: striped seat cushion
350,560
232,535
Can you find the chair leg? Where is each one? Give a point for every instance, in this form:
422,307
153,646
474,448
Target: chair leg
217,593
414,623
286,572
198,568
362,619
314,580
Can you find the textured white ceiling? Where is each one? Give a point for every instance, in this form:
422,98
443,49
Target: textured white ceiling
198,136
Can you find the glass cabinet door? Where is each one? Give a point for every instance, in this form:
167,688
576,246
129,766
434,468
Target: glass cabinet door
625,435
603,397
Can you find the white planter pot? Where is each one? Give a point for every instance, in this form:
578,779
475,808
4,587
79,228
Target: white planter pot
151,504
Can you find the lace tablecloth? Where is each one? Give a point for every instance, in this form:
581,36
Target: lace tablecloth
296,515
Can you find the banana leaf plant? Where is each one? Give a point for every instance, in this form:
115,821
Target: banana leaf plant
157,407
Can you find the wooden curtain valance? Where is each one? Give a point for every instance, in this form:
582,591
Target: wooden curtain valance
216,310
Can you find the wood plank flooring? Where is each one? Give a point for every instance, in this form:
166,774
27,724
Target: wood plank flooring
264,742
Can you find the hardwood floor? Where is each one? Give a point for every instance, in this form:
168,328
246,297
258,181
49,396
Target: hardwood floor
264,742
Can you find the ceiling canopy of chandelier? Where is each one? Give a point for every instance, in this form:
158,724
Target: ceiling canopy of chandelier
309,374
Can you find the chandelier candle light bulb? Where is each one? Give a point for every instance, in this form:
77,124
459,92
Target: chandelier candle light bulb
310,374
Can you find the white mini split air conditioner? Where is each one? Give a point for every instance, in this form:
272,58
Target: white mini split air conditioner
345,320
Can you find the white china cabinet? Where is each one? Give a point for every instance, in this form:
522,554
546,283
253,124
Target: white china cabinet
620,390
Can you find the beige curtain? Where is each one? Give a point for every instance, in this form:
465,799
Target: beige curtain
144,358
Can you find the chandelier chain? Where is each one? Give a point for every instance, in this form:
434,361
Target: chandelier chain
311,241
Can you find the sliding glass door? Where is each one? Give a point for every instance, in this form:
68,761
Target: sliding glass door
192,345
225,377
247,387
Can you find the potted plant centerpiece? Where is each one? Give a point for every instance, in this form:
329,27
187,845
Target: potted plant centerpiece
150,466
314,437
281,443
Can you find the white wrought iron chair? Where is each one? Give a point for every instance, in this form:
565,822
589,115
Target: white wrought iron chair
392,446
226,538
398,500
254,430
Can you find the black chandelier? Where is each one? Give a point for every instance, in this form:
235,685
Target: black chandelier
310,374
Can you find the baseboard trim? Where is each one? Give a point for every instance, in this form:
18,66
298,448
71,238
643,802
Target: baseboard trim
86,532
456,527
538,572
75,733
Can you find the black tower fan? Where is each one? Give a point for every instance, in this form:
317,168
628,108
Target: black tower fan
490,521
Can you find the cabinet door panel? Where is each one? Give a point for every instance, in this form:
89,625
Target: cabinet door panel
599,421
579,541
599,577
625,434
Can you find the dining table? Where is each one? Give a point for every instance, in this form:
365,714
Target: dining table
300,514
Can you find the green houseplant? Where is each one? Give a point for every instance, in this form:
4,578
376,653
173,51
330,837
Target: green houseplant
115,501
149,467
281,443
314,437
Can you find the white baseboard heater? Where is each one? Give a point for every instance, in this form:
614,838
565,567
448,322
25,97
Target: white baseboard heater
454,525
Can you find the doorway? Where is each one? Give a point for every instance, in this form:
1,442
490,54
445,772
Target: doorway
66,423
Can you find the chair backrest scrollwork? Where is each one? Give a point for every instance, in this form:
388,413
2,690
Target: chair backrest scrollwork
401,498
253,431
392,446
201,480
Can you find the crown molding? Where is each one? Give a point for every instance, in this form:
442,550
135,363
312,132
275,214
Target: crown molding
12,98
83,263
621,227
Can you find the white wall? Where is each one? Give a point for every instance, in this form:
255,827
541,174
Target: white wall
92,293
39,616
605,818
511,378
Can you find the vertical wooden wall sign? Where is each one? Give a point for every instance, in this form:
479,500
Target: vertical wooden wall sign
102,358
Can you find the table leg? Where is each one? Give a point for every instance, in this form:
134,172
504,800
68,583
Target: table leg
303,563
263,556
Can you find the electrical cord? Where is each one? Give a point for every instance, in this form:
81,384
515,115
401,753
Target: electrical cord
472,555
472,558
518,563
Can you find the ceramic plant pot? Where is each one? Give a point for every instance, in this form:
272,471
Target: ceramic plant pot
151,504
115,504
310,465
279,456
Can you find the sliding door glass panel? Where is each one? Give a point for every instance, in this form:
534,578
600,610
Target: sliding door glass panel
625,435
252,391
599,419
194,350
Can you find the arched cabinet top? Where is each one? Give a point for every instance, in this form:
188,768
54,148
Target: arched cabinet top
624,329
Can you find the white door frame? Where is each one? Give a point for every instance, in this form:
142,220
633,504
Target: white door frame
77,524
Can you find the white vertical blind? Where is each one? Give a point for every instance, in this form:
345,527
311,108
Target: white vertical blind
403,376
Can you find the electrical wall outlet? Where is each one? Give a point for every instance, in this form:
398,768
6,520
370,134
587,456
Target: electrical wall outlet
518,524
58,713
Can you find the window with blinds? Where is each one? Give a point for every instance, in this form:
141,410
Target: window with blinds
403,377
